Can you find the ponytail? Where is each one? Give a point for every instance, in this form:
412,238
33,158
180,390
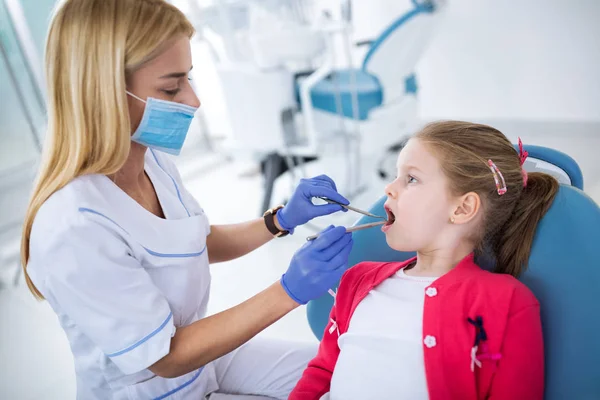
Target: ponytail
513,244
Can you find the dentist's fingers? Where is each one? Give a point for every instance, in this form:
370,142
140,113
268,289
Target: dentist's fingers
330,252
328,238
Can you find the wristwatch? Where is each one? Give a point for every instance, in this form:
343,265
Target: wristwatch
269,217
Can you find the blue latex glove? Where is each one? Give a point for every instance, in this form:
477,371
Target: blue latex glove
318,265
300,209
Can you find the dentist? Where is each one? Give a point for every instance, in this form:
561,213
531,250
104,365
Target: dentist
118,247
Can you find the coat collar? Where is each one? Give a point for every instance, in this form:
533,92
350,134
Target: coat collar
181,235
464,268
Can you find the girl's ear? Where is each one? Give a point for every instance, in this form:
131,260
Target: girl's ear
467,208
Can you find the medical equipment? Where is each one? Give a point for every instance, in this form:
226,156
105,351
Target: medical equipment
378,101
283,110
249,41
353,229
348,207
356,227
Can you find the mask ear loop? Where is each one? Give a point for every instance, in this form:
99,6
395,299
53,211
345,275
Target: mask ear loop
500,183
134,96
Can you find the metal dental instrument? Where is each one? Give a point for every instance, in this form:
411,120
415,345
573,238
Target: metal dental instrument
368,214
357,227
354,228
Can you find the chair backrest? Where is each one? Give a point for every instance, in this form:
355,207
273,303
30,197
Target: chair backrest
563,273
553,162
394,54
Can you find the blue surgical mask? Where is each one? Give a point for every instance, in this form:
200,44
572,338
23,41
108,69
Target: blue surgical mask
164,125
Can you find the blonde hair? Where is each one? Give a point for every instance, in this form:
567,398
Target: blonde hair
92,48
509,220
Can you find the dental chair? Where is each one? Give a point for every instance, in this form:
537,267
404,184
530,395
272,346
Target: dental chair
379,98
556,163
564,275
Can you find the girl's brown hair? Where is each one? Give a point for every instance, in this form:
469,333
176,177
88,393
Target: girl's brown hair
509,220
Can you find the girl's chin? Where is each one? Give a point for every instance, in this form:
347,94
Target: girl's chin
397,244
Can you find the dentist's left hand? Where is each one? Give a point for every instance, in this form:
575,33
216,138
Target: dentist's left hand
318,265
300,209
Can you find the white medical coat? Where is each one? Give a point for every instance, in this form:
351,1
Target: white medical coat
121,280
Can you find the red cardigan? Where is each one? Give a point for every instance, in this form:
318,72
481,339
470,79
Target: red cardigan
509,360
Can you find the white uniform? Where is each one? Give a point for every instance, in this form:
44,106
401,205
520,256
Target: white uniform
121,280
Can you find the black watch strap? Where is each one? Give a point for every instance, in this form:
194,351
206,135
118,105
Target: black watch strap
269,218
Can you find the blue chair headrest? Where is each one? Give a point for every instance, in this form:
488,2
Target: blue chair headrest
558,159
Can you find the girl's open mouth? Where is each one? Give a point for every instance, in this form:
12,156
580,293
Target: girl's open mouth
391,218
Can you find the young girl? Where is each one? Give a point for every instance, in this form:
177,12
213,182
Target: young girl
438,326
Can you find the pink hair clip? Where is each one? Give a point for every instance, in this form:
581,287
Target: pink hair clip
500,183
523,154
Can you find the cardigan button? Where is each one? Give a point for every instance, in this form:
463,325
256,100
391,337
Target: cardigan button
430,341
431,291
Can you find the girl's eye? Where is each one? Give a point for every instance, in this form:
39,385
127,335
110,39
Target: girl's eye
412,179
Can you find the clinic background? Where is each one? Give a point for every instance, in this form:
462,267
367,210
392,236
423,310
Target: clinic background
528,67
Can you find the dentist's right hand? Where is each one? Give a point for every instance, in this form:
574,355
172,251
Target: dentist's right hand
318,265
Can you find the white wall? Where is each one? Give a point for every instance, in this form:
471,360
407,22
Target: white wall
532,59
516,59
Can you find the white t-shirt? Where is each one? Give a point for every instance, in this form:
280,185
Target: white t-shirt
121,279
381,354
